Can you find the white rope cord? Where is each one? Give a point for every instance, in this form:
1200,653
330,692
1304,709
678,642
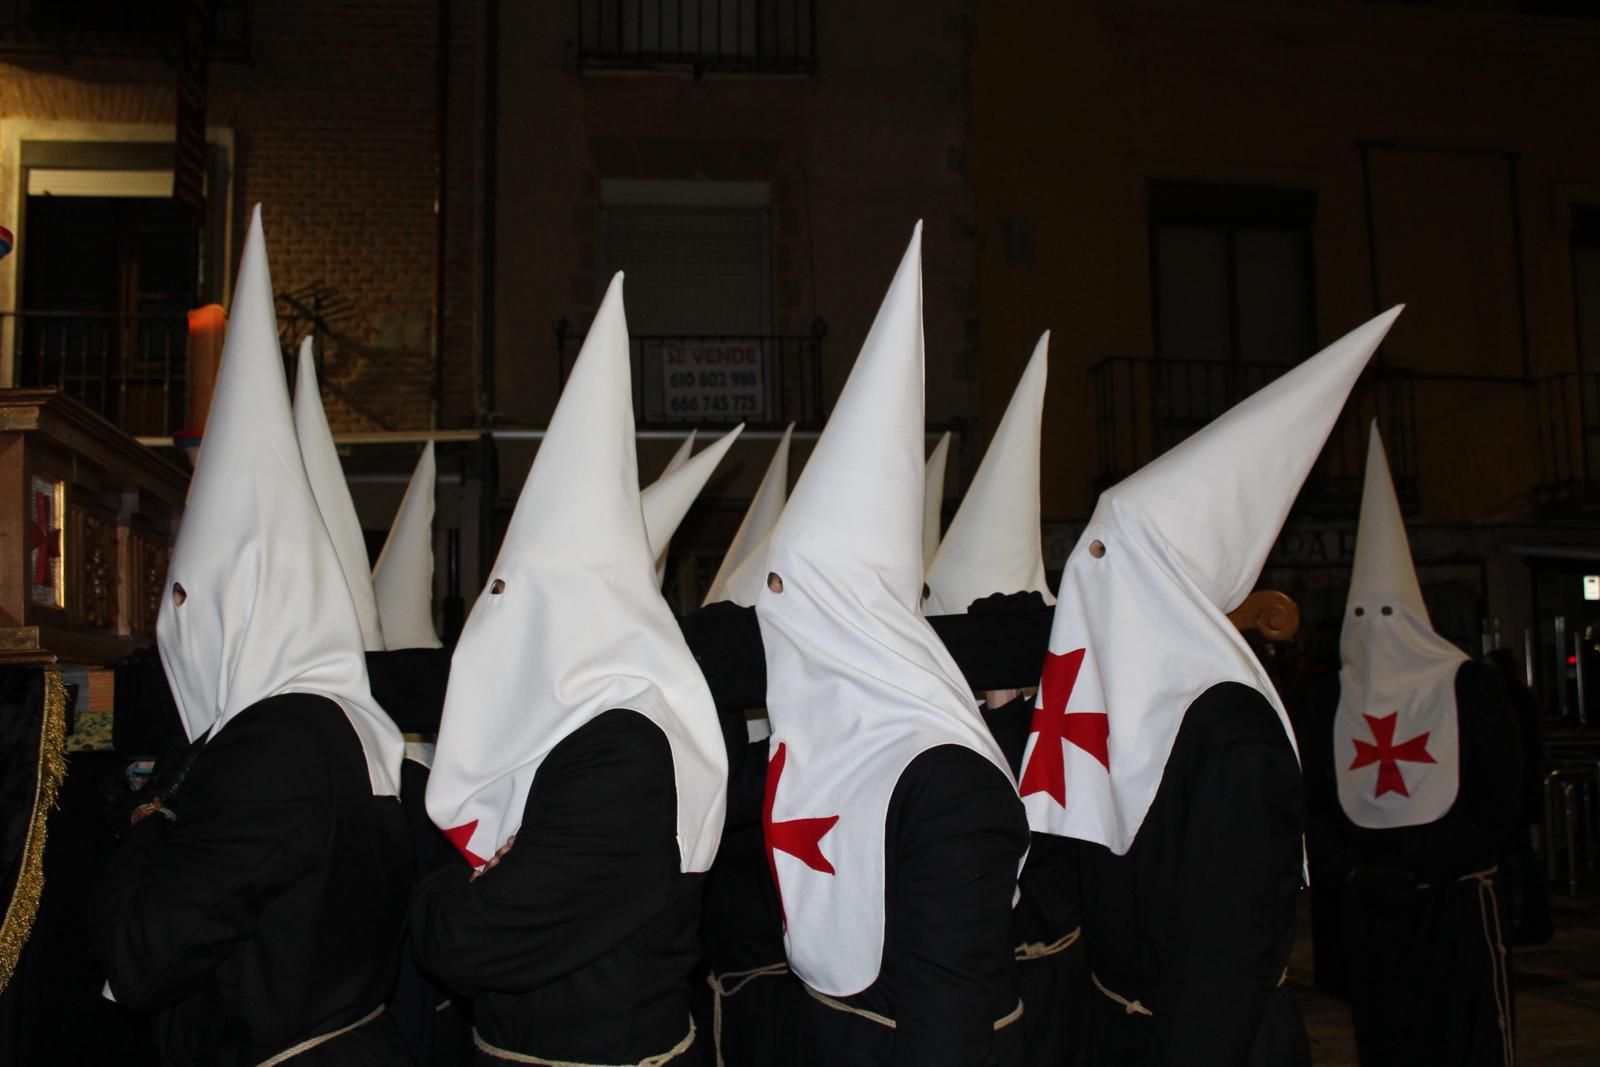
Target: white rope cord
726,985
1132,1007
321,1039
660,1059
1489,911
1038,950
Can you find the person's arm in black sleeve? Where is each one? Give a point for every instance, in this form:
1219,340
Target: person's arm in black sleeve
1490,798
182,893
1235,891
594,858
959,835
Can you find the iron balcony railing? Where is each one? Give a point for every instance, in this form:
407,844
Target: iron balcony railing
735,36
765,380
1145,406
127,368
1568,425
108,27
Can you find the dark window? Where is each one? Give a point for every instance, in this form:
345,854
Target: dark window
1572,9
1586,284
119,26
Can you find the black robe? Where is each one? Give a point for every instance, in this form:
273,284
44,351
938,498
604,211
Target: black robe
1053,978
271,909
954,834
1196,921
579,944
753,1007
1426,963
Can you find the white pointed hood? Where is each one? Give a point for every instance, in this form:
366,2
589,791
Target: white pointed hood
402,579
265,607
858,684
668,499
321,458
572,625
933,496
1396,750
759,519
1141,625
994,542
679,457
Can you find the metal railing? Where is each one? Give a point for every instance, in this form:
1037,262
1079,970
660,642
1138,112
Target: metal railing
81,27
764,380
743,36
1145,406
128,368
1568,425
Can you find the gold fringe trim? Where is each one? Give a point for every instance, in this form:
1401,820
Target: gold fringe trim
51,770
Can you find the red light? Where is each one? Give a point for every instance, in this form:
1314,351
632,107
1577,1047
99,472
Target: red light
1572,661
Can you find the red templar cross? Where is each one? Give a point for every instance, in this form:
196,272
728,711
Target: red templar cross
1046,771
45,539
1386,754
800,838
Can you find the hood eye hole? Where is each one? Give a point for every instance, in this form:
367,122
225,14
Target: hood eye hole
774,582
1387,610
926,592
179,594
1097,548
498,587
1360,612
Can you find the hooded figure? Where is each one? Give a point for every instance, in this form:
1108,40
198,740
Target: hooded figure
759,519
892,829
1159,739
668,499
1413,777
402,579
991,556
258,901
332,492
580,766
679,457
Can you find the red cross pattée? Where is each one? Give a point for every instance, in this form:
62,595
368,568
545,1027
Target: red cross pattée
800,838
44,540
1386,754
1046,771
459,836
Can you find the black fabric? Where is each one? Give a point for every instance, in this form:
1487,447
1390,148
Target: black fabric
1419,944
954,834
995,649
271,909
1055,989
763,1020
1196,921
21,725
579,944
144,717
410,684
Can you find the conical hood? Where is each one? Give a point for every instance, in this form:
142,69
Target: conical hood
668,499
576,579
1166,554
680,455
321,458
993,544
402,580
933,496
759,519
1396,731
858,684
257,604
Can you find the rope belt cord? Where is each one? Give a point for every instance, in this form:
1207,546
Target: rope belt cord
1132,1007
321,1039
1038,950
1489,911
883,1020
726,985
660,1059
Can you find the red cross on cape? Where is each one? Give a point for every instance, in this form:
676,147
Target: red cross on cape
1387,755
1046,771
800,838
